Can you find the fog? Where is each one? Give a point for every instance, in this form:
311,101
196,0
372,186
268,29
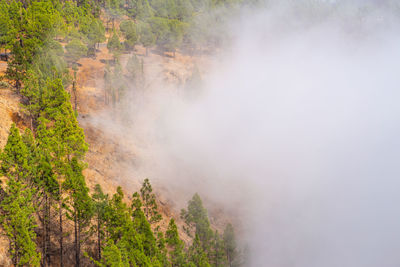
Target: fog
294,130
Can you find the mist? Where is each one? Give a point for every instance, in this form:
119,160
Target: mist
294,131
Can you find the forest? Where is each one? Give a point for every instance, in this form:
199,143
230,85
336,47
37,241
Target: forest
45,201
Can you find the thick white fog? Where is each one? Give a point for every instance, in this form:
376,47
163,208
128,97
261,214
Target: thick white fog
297,131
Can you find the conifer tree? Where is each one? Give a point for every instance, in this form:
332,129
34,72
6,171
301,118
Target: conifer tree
100,206
80,208
149,202
175,245
128,29
146,36
45,187
114,255
143,228
48,194
230,244
197,256
129,233
143,10
218,254
95,35
75,50
17,220
114,45
61,137
14,157
196,218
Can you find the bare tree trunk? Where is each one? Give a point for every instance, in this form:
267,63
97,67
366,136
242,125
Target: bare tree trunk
61,232
44,229
98,239
79,244
47,256
77,263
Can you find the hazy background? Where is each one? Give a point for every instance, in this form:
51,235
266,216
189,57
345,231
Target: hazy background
295,130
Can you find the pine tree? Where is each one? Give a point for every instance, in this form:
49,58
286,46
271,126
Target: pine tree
149,202
143,228
100,206
196,218
114,45
230,244
48,194
128,29
146,36
128,235
17,220
14,157
95,35
75,50
143,10
80,208
114,255
60,137
175,245
218,254
196,254
45,187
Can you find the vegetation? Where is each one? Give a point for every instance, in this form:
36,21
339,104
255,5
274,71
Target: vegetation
45,189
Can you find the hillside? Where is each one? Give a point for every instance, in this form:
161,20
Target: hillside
108,156
76,153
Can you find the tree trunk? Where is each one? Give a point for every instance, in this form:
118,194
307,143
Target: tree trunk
44,230
48,231
79,244
98,239
76,240
61,232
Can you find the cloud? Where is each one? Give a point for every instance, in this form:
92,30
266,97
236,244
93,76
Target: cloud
296,131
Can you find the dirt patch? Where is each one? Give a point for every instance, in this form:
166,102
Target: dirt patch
10,112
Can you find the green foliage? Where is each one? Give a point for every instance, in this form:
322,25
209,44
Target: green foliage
115,255
18,223
230,244
128,234
128,29
114,45
95,35
143,10
196,217
197,255
146,36
218,257
149,202
44,166
75,50
208,247
177,256
114,85
168,32
49,61
78,203
17,209
100,207
25,31
14,161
